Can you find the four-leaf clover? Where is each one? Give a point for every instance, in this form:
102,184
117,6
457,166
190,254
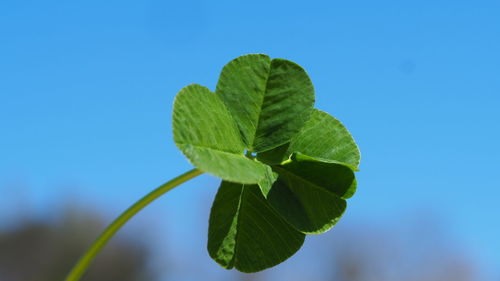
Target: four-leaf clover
286,168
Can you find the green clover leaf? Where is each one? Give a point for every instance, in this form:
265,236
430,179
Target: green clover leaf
246,232
302,173
206,133
322,137
270,100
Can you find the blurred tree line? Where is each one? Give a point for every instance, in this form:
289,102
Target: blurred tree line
413,250
46,250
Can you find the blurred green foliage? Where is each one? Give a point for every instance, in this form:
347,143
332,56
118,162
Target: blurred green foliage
46,250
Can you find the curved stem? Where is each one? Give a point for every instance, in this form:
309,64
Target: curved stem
108,233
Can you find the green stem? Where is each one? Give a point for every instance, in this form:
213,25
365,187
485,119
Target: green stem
108,233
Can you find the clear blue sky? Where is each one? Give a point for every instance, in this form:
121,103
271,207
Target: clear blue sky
86,90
